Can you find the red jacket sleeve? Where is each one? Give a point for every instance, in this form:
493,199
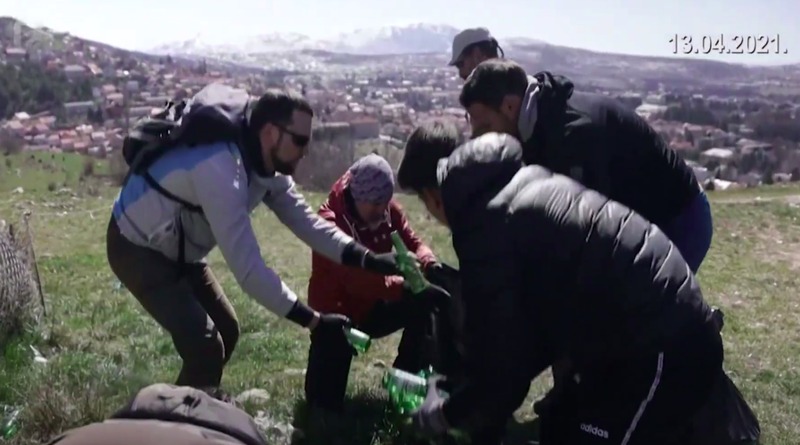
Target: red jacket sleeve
413,242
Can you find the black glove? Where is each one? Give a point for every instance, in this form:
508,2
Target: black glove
332,324
332,328
443,276
304,315
433,294
356,255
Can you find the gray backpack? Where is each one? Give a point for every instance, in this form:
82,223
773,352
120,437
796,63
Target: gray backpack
192,406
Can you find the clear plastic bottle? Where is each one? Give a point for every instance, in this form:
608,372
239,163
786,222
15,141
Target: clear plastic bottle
408,267
9,426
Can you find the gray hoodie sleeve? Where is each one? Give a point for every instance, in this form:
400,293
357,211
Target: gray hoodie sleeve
220,186
320,235
528,111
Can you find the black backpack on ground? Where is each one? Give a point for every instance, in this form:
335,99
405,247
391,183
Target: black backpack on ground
216,113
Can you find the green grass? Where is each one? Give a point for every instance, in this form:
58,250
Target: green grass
102,346
776,191
38,172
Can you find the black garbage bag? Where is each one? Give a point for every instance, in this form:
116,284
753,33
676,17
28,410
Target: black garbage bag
727,418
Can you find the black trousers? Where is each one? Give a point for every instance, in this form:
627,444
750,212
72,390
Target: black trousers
427,339
648,399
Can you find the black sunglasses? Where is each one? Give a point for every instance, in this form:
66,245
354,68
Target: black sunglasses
300,140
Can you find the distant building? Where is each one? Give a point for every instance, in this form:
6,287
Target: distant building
693,132
647,110
156,101
78,109
656,99
338,133
16,54
714,157
702,174
365,128
75,72
137,112
630,100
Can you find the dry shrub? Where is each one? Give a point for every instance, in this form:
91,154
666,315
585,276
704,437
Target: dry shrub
392,154
56,402
117,167
327,161
88,167
10,143
324,164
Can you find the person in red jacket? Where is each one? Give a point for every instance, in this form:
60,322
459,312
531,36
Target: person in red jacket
360,203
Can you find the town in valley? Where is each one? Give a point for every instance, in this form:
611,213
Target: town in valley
738,125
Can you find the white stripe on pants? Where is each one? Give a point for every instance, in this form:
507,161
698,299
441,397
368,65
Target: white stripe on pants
646,401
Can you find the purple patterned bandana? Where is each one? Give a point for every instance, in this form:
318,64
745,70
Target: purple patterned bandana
371,180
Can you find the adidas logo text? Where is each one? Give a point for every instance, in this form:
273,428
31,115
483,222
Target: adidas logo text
593,430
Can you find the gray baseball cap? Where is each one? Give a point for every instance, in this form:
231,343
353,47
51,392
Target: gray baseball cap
465,38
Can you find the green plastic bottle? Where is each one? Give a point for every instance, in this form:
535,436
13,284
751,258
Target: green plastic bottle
406,391
408,267
10,426
359,340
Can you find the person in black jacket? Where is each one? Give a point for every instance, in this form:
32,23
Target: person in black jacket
551,269
595,140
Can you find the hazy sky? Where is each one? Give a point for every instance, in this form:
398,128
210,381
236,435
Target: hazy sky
625,26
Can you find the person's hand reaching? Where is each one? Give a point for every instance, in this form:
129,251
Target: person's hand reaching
443,275
331,326
356,255
428,420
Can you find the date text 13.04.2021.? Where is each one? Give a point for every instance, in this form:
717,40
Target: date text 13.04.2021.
727,44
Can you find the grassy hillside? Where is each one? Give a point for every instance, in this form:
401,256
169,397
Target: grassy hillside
38,172
101,346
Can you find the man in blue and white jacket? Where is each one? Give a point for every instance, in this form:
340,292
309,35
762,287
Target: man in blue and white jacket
227,181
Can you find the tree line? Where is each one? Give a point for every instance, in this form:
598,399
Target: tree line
30,87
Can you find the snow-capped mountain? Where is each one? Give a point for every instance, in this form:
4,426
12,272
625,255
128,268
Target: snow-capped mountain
203,45
417,38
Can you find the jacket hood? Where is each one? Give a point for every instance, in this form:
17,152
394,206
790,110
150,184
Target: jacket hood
336,203
475,173
554,87
528,109
251,146
340,203
544,90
